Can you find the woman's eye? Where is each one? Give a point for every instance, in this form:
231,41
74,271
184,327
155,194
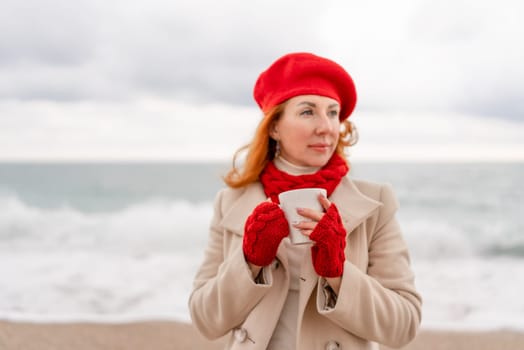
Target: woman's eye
333,113
306,112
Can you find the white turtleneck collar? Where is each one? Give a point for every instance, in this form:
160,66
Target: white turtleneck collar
292,169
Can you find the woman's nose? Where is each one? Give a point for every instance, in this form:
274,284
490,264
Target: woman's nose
323,124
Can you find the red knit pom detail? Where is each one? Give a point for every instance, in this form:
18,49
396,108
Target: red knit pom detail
264,230
330,241
276,181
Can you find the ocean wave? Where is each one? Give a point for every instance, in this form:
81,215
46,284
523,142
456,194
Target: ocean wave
474,294
515,249
153,225
97,286
158,225
88,286
63,264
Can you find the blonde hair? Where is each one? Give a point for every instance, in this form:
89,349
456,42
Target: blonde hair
262,149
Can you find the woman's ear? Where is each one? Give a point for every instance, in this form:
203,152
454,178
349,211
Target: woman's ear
273,131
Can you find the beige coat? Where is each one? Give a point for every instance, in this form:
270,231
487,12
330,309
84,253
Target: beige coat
377,301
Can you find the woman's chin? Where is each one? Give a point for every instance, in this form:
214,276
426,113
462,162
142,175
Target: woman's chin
319,160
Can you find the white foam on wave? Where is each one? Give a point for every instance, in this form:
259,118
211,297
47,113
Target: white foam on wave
475,294
465,294
95,286
161,225
63,264
138,264
155,225
434,240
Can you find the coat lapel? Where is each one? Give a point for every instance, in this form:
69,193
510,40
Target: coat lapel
235,218
354,207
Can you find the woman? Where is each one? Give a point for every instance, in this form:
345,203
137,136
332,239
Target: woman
353,287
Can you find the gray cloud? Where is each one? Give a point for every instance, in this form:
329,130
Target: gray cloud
424,58
206,52
45,32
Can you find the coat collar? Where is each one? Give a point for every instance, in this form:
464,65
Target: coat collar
354,207
235,218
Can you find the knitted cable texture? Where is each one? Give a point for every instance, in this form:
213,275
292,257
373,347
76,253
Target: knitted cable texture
330,241
264,230
276,181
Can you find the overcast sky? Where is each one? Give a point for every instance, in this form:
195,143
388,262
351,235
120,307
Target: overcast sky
166,80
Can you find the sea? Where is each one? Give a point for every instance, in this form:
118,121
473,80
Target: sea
118,242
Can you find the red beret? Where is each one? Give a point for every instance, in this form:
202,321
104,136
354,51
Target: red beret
303,73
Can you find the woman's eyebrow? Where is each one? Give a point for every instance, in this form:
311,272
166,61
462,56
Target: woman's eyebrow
310,104
313,105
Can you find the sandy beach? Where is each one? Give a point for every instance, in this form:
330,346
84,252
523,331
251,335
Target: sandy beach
160,335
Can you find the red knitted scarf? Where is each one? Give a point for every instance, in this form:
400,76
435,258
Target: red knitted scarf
328,177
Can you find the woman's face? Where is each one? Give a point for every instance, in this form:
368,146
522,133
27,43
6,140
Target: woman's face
308,130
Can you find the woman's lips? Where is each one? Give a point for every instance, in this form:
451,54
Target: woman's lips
320,147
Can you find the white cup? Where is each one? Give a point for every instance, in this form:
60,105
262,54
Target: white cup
301,198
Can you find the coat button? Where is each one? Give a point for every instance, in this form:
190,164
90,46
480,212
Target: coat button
332,345
240,335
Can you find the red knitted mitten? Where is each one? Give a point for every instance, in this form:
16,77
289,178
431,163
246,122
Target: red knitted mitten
330,240
264,230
